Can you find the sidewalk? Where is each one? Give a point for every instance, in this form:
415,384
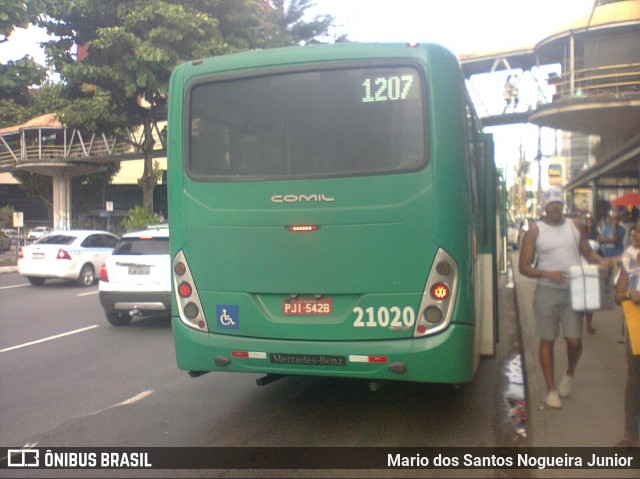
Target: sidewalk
8,262
593,415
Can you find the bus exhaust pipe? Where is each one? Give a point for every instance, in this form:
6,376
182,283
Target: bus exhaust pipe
268,379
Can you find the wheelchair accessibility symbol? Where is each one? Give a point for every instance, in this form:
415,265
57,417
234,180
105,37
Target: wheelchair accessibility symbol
228,316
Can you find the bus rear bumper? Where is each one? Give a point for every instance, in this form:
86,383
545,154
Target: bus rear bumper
446,357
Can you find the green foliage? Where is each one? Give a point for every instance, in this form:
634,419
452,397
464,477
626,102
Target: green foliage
17,102
285,24
17,13
16,78
139,218
134,45
11,113
6,216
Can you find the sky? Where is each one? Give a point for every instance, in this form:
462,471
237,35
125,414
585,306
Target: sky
463,26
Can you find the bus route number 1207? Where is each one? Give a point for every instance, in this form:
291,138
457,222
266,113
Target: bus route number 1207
391,88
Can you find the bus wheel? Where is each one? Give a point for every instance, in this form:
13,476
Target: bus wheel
118,319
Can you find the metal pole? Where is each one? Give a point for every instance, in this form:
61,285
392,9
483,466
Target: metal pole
572,66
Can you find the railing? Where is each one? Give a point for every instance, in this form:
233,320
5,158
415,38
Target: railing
56,153
94,147
590,82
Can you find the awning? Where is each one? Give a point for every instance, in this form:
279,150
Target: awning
623,164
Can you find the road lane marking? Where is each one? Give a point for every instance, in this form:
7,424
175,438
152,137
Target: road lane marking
135,398
88,294
28,445
14,286
75,331
126,402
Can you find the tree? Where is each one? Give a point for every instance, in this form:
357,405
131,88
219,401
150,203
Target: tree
16,13
285,24
16,99
133,46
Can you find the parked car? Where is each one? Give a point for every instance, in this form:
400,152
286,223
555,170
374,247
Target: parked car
75,255
136,277
13,235
38,232
5,242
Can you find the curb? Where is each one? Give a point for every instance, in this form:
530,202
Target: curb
8,269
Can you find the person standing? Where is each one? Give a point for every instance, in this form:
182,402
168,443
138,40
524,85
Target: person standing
591,231
558,244
627,224
628,289
612,237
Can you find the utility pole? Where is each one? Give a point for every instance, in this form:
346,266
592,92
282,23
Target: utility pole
539,160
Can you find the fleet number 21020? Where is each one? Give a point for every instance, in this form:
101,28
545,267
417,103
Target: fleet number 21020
393,317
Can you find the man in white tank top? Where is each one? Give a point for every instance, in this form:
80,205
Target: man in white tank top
558,244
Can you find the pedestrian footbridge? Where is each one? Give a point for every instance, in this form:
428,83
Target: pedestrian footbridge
45,146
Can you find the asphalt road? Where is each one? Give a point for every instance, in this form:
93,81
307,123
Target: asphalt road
69,378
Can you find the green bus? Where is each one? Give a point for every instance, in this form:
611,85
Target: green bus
333,213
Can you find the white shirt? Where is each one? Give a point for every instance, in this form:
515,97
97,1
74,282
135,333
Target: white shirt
557,249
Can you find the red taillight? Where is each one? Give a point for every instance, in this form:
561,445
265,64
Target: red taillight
62,254
378,359
20,253
103,274
184,289
440,291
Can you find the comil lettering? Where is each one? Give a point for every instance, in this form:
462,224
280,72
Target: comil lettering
320,197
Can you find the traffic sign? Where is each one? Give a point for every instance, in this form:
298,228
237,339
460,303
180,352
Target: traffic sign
18,219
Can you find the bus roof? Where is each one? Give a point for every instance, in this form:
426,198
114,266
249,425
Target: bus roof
309,53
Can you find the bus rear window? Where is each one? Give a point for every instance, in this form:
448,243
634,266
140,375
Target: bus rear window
334,122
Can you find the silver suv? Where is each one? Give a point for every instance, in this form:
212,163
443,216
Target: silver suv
135,279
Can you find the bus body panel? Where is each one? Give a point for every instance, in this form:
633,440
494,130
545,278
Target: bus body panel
375,244
433,359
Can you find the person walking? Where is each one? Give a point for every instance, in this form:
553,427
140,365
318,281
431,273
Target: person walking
510,93
628,289
558,244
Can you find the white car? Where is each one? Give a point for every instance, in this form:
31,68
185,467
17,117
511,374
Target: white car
38,232
136,278
75,255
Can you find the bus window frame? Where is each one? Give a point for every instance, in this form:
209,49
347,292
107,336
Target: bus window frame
257,72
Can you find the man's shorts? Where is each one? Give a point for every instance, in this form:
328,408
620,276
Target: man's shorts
552,307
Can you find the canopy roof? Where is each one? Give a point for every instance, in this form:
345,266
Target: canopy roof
50,120
610,16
